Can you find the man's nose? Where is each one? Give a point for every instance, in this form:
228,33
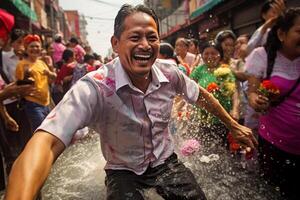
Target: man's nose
144,44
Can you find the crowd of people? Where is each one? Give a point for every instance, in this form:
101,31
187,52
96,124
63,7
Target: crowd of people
35,75
230,84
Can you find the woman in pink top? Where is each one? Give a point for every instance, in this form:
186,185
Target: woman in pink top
58,48
279,128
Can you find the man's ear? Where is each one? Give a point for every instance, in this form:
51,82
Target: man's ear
114,43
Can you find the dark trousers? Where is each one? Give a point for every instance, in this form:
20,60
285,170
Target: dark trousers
36,113
280,168
12,143
172,180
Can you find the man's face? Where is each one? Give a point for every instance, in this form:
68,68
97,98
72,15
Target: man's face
34,49
18,46
138,44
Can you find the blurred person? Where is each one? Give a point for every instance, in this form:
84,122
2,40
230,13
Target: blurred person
98,60
46,56
81,70
14,126
64,77
194,49
238,70
270,11
223,87
138,89
32,70
278,63
78,50
58,48
181,49
226,39
203,39
88,49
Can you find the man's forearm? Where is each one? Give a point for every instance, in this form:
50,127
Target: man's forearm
32,167
207,101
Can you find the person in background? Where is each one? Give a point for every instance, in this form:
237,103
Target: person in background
194,49
58,48
184,57
203,40
278,65
46,56
14,127
98,61
137,89
88,49
64,78
220,82
82,70
238,70
32,70
226,39
77,49
270,11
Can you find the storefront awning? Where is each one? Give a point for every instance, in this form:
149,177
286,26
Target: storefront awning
24,9
209,4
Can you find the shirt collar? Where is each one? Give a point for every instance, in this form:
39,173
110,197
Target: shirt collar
123,79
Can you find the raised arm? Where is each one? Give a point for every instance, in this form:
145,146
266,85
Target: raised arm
241,133
32,167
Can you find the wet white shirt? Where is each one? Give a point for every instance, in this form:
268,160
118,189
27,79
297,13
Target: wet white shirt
133,125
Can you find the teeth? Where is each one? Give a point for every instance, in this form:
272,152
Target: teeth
143,56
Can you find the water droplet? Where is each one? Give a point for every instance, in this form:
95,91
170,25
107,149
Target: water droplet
277,189
262,127
287,161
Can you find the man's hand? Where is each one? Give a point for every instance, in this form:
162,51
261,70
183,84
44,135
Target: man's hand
243,136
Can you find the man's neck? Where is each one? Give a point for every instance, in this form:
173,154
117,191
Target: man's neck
141,83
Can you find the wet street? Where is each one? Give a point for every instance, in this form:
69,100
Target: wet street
78,174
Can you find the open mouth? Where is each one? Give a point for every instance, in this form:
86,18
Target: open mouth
142,58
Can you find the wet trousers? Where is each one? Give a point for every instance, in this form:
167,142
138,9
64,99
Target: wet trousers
172,180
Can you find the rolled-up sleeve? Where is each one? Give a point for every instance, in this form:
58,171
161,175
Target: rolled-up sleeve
75,111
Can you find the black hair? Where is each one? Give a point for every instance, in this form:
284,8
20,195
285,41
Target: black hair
58,39
88,57
74,40
166,49
127,10
16,34
67,54
212,44
284,23
96,56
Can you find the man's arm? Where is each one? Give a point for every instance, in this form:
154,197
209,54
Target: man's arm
241,133
32,167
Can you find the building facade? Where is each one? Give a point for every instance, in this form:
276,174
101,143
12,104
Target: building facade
189,18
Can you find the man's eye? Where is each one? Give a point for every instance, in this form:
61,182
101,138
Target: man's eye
153,39
134,38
